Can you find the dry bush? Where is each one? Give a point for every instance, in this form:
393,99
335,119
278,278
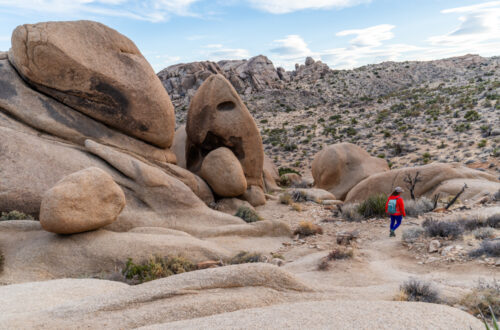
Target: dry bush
307,228
419,206
2,260
488,248
442,228
296,207
299,196
410,235
154,268
15,215
350,213
485,294
346,238
484,233
493,221
286,198
338,253
417,290
247,214
245,257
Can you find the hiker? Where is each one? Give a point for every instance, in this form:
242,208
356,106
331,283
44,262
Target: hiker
395,207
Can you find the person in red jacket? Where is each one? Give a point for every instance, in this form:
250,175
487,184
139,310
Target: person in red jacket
395,207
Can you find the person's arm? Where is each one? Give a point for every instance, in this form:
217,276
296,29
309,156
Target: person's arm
402,206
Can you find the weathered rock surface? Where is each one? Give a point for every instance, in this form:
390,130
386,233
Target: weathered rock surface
476,188
255,196
331,314
179,146
86,200
270,175
339,167
99,72
117,305
431,176
47,115
218,118
223,173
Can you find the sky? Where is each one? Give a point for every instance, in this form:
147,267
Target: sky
342,33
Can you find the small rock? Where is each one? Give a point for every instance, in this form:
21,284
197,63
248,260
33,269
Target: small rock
434,245
277,261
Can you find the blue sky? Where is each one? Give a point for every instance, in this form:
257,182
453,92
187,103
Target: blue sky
342,33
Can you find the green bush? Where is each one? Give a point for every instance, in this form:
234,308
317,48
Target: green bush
374,206
472,115
155,268
285,170
247,214
15,215
244,257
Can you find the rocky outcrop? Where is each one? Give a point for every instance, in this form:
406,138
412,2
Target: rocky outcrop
98,71
86,200
223,173
179,146
432,176
339,167
218,118
270,174
247,76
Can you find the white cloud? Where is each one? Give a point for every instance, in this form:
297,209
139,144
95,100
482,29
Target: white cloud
369,37
217,52
288,6
293,45
149,10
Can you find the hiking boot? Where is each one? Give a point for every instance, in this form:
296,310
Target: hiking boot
392,234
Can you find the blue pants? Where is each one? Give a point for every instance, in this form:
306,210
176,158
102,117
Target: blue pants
396,221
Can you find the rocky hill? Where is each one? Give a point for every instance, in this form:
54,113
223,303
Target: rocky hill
446,110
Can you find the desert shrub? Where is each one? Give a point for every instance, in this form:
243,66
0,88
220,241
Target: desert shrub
435,228
350,212
247,214
417,290
345,238
296,207
298,196
245,257
285,170
301,184
419,206
286,198
15,215
493,221
485,294
483,233
337,253
410,235
374,206
488,248
155,268
307,228
472,224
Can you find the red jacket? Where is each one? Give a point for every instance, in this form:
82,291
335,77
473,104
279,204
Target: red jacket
400,205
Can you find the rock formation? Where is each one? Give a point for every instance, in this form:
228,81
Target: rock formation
339,167
97,71
432,176
82,201
218,118
223,173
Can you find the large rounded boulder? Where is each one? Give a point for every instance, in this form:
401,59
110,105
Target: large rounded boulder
223,172
218,118
86,200
432,178
339,167
97,71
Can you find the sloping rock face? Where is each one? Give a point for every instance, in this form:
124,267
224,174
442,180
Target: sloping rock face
218,118
99,72
83,201
339,167
179,146
432,176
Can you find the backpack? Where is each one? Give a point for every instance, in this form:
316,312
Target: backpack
391,206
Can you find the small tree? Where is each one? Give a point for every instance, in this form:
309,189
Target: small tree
411,183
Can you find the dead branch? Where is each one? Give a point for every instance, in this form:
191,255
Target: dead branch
456,197
411,183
